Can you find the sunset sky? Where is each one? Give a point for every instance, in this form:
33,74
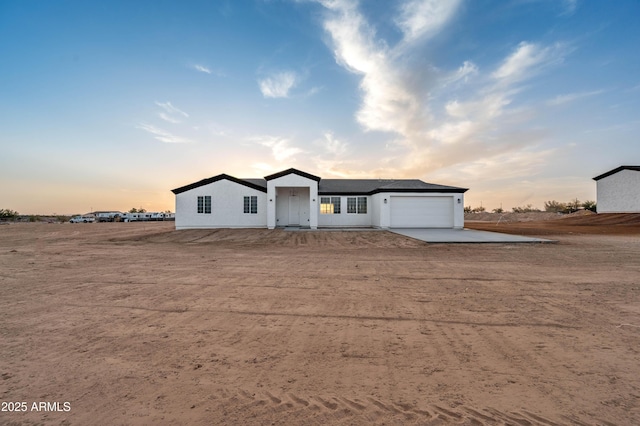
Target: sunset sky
108,105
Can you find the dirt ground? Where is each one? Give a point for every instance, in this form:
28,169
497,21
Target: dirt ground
141,324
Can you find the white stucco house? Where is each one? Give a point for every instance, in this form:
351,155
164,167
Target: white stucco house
295,198
618,190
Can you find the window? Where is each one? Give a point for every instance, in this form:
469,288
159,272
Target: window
204,204
251,204
362,205
329,205
357,205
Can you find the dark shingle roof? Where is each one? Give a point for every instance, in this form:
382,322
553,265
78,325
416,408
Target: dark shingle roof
373,186
245,182
335,186
293,171
616,170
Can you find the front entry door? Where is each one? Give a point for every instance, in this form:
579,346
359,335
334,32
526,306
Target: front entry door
294,210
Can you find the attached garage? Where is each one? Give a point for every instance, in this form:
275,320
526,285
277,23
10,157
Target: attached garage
421,212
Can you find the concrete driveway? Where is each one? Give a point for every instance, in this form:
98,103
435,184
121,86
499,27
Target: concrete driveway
465,236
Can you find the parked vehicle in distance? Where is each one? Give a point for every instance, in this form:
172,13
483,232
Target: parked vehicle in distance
82,219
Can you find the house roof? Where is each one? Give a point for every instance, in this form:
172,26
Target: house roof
616,170
374,186
246,182
292,171
335,186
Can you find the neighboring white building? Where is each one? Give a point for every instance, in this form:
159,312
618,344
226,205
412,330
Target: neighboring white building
296,198
618,190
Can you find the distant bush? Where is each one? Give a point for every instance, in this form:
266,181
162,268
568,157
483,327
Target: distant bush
467,209
554,206
478,209
498,210
525,209
8,214
589,205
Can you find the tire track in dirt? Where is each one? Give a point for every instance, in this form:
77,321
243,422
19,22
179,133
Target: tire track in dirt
293,408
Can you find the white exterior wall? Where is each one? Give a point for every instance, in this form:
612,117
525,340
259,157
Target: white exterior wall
308,202
384,209
344,218
619,192
227,208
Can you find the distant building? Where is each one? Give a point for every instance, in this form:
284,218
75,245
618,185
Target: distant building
297,199
618,190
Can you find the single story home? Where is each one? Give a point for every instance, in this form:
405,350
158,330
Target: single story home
618,190
295,198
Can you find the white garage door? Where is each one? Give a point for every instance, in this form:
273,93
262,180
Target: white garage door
422,212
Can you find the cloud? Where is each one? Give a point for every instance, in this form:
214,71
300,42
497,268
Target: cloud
439,118
281,148
570,97
171,109
202,68
278,85
332,145
525,60
570,7
162,135
171,114
424,18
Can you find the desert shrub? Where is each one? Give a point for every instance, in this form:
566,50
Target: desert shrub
8,214
554,206
525,209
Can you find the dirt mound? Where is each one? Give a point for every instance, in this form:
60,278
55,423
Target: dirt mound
510,217
583,223
602,219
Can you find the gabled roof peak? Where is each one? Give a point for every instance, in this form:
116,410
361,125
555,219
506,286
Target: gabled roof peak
216,179
292,171
616,170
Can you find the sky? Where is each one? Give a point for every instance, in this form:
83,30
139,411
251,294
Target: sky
108,105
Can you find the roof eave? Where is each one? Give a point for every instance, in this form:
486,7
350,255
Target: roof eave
216,179
616,170
292,171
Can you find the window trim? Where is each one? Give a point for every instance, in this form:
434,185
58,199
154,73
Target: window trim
250,204
355,206
203,204
333,205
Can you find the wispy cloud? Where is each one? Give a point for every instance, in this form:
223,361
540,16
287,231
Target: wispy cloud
525,60
278,85
570,7
171,114
331,145
171,109
424,18
161,134
202,68
281,148
570,97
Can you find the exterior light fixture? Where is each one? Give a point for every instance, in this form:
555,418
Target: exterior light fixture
271,200
459,201
385,201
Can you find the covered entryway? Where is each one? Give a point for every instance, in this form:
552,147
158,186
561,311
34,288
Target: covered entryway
421,212
293,199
